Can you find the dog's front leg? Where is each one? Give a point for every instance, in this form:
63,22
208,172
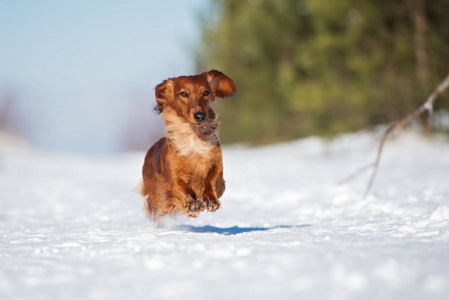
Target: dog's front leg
210,197
187,200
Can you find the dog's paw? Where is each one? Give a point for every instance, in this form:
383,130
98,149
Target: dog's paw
193,207
211,203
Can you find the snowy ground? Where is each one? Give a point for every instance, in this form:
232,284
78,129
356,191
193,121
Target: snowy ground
71,226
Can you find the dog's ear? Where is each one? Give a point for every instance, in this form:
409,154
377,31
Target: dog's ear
221,85
164,94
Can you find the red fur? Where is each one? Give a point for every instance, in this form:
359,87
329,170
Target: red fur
183,172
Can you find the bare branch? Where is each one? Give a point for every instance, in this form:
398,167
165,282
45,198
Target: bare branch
356,173
426,106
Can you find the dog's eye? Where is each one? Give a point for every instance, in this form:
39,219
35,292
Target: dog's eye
184,94
206,93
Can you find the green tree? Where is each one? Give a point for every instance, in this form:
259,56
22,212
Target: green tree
322,67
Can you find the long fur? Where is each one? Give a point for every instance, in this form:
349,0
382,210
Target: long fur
187,138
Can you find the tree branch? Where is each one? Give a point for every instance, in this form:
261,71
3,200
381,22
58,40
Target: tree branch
427,106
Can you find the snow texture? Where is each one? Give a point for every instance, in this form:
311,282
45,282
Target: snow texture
72,226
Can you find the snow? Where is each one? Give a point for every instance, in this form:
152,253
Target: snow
72,226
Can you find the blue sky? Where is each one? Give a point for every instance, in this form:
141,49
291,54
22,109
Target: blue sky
70,59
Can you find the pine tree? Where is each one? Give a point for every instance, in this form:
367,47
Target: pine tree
323,67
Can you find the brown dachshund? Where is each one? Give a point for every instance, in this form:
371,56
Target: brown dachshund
183,172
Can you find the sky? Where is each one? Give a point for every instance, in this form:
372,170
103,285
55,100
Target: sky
80,68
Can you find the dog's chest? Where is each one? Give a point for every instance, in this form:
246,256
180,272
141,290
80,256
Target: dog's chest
188,140
193,170
195,165
188,144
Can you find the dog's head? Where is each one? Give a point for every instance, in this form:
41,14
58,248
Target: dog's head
190,96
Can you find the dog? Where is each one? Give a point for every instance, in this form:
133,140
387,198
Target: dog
183,172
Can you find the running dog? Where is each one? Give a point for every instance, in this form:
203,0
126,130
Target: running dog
183,172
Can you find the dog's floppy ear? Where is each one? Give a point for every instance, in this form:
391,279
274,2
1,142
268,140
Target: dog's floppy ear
221,85
164,94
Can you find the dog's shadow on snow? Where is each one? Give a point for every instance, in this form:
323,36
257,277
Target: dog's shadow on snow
232,230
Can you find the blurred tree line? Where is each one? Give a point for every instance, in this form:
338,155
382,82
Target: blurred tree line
306,67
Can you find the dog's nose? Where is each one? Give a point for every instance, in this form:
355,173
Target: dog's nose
199,117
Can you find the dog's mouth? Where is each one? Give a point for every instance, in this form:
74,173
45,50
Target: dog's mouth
205,129
199,124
